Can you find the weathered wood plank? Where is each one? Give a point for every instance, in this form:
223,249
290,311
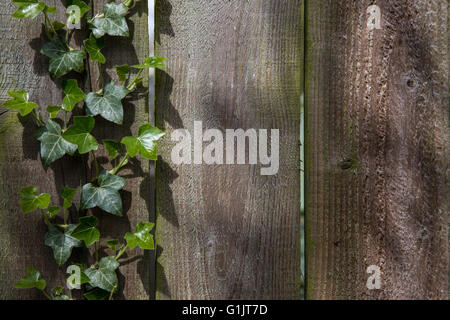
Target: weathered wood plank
225,231
377,143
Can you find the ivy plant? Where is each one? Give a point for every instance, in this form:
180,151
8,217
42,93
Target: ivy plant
61,133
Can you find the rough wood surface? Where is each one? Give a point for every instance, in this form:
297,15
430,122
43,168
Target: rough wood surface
225,231
377,149
22,237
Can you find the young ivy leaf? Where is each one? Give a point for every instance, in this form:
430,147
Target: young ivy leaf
53,211
105,276
67,194
31,280
20,102
94,46
97,294
84,8
86,230
53,111
31,200
62,58
113,244
109,106
113,147
73,94
61,243
79,134
141,236
28,8
145,143
122,72
105,194
151,62
53,145
113,21
58,25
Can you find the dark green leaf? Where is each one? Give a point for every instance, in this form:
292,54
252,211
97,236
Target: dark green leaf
86,230
94,46
122,72
67,194
62,58
109,106
31,200
113,21
151,62
53,211
31,280
50,9
97,294
73,94
58,25
113,244
113,147
28,8
20,102
53,111
105,195
81,4
79,134
141,236
145,143
105,276
61,243
53,145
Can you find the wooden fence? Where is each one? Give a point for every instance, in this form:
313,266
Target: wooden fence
374,101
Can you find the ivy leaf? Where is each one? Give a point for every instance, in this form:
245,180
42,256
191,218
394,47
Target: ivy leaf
113,147
145,143
79,134
53,111
58,25
113,22
20,102
94,46
84,8
105,276
61,243
122,72
31,280
141,236
67,194
31,200
53,211
73,94
62,58
50,9
53,145
113,244
105,195
97,294
28,8
151,62
86,230
109,106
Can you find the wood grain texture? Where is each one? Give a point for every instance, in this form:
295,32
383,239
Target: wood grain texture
225,231
377,149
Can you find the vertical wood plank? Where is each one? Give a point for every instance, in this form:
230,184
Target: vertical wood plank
377,147
225,231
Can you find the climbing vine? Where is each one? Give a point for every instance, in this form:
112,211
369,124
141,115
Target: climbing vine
72,135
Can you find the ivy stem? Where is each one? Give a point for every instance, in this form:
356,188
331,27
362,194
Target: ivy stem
120,165
70,294
95,162
39,122
65,119
121,252
112,292
96,253
65,216
49,23
130,86
46,295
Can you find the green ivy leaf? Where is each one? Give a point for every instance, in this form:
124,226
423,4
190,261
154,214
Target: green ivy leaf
31,200
28,8
53,111
113,244
50,9
79,134
105,276
113,22
141,236
67,194
53,211
113,147
122,72
145,143
151,62
20,102
97,294
53,145
105,195
31,280
61,243
73,94
84,8
86,230
62,58
109,106
58,25
93,47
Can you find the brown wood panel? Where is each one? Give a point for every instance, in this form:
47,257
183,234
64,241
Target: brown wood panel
377,148
225,231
